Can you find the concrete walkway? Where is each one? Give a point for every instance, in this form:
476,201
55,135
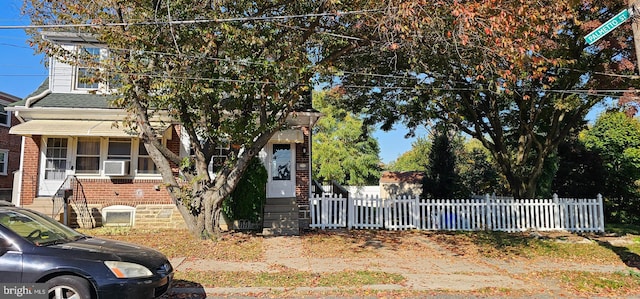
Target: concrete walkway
445,271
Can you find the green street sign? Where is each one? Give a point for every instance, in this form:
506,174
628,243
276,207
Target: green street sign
607,27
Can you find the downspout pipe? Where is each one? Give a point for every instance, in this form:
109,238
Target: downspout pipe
29,101
32,99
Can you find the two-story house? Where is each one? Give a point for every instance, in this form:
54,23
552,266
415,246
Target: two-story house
68,132
9,147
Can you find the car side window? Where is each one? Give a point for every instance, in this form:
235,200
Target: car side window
18,223
4,218
36,228
5,244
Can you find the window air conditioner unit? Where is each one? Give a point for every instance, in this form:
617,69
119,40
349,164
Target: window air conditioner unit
116,167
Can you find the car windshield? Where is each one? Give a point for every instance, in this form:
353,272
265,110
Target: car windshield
36,228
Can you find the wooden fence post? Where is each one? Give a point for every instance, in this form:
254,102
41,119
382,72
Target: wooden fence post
350,211
601,213
487,215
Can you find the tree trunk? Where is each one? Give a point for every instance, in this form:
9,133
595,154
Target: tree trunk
523,187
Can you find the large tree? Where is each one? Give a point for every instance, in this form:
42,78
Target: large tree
415,159
443,180
228,71
478,171
343,150
615,138
516,75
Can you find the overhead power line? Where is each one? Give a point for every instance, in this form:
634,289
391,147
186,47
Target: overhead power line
190,22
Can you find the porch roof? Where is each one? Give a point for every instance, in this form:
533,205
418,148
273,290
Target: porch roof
95,128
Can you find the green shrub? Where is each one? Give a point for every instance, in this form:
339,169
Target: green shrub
247,200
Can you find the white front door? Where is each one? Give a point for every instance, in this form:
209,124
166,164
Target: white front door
282,177
54,165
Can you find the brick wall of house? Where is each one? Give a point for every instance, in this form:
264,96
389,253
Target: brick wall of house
302,173
303,180
11,143
30,167
103,191
130,192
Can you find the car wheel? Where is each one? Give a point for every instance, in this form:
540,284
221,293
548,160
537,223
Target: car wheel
68,287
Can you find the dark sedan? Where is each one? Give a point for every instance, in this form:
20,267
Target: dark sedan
37,249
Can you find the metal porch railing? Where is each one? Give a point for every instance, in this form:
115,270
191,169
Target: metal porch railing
70,197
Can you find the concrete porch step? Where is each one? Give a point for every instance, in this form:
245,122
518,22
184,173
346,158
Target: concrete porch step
280,201
281,223
280,232
41,204
280,208
280,217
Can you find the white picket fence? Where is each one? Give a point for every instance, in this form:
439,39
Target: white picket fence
498,214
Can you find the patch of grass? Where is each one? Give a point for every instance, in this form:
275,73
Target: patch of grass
286,278
180,243
600,284
365,243
627,253
635,247
359,278
568,248
581,252
485,243
622,229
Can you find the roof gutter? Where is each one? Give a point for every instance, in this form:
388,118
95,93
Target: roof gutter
28,102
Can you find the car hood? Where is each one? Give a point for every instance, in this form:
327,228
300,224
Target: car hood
104,249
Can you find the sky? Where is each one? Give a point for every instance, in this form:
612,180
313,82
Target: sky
21,72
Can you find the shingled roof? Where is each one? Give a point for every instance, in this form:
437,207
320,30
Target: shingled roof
67,100
404,176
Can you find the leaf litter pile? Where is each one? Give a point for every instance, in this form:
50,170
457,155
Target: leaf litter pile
237,247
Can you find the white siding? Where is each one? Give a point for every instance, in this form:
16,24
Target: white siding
363,191
62,75
61,80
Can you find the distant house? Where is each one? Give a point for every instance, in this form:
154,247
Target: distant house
407,183
68,131
9,147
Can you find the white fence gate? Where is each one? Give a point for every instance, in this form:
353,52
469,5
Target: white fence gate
498,214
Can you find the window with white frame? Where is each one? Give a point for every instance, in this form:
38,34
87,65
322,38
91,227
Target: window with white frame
87,76
145,163
5,117
92,151
219,156
4,161
119,149
88,155
91,75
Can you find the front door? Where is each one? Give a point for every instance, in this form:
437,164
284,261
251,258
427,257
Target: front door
54,165
282,177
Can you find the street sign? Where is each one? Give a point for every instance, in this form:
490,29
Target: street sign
607,27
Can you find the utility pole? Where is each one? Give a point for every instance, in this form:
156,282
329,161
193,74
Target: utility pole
634,9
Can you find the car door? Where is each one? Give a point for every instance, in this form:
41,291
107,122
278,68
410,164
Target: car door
10,261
